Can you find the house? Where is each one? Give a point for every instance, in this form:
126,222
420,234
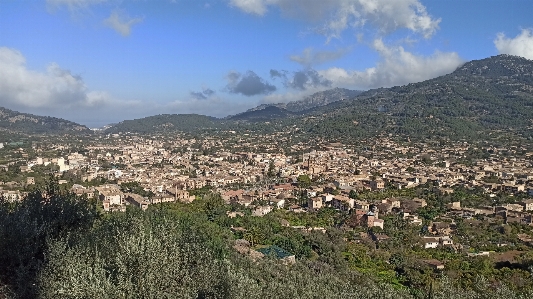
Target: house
434,264
512,188
314,203
111,193
278,201
379,223
430,242
414,220
456,205
446,241
137,200
180,195
362,205
327,197
343,202
443,228
261,211
510,207
527,220
527,204
80,191
379,238
394,202
377,185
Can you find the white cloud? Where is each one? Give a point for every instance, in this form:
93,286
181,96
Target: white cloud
121,23
55,92
74,4
22,87
290,96
257,7
521,45
396,66
338,15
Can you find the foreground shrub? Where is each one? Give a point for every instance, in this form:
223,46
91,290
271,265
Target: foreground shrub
27,226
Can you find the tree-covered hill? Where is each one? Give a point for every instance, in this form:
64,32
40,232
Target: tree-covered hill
13,121
268,113
495,93
165,122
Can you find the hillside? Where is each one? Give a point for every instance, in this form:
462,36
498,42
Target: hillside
495,93
13,121
165,122
317,99
268,113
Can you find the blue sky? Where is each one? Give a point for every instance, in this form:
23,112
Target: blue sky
102,61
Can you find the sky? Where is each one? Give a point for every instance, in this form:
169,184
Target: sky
98,62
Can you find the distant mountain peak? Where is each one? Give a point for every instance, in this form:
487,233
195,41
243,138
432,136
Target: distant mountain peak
497,66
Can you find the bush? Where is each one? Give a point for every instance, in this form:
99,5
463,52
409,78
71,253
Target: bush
26,227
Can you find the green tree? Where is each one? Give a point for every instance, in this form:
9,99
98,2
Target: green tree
304,181
27,227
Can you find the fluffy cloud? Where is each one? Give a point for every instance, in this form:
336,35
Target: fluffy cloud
257,7
521,45
337,15
208,92
302,80
121,23
198,95
59,93
22,87
55,92
202,95
310,57
278,74
286,97
249,84
395,67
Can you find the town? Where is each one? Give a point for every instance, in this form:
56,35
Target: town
262,173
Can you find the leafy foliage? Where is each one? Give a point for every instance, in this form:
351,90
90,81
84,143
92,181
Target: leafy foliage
27,226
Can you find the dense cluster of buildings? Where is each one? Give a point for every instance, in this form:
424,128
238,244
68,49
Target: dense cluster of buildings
257,173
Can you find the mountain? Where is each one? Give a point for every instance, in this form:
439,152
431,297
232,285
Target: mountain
165,122
480,96
13,121
317,99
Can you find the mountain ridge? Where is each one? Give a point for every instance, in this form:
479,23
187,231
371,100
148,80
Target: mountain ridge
480,95
14,121
494,93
